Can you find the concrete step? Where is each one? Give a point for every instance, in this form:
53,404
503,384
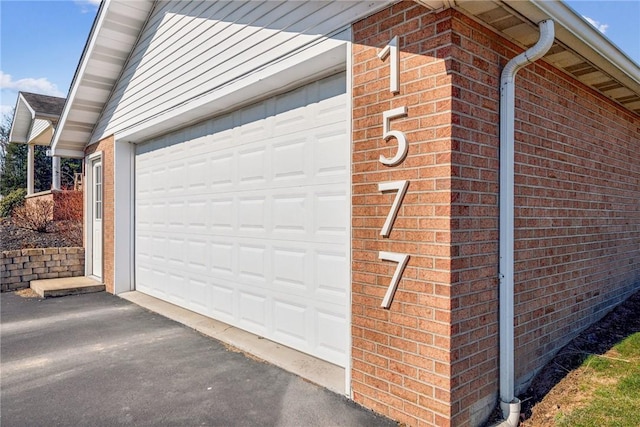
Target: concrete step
66,286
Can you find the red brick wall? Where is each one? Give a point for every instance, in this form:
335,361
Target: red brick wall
432,359
401,356
106,146
577,237
475,73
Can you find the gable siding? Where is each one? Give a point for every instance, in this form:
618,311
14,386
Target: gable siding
39,126
189,49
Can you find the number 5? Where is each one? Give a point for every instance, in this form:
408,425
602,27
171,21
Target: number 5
401,188
388,134
402,260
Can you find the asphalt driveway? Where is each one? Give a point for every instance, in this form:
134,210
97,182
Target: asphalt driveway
99,360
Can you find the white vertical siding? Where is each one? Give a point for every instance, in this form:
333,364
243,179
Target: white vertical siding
191,49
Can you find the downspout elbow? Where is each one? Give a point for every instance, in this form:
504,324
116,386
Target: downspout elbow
510,413
535,52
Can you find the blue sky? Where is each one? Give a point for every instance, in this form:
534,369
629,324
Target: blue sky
41,41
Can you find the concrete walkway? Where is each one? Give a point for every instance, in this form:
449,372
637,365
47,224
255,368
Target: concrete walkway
99,360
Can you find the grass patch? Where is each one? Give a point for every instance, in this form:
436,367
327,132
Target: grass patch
612,384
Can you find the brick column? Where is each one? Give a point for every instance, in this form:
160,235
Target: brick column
106,146
402,355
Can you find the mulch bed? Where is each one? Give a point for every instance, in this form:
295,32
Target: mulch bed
538,404
59,234
621,322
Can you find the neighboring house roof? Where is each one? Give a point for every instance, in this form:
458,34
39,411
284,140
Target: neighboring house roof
35,117
44,105
580,50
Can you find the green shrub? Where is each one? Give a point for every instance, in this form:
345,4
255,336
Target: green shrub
12,201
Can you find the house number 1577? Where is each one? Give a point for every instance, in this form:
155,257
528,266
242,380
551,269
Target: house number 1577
400,187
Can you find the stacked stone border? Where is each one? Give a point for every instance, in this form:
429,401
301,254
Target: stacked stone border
21,266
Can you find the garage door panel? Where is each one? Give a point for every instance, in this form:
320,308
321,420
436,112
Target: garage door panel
330,279
175,252
175,215
153,280
222,258
290,213
197,215
245,218
331,215
221,167
175,288
290,268
252,309
252,166
254,120
252,263
158,249
174,179
326,163
222,305
196,289
290,157
197,255
221,217
158,215
329,345
291,323
251,213
197,176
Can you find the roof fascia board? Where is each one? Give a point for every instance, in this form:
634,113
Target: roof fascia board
26,104
73,154
77,78
582,37
123,67
43,116
436,4
21,103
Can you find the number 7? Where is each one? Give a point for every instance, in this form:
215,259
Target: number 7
401,188
402,260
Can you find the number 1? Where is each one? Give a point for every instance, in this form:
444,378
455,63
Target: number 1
394,74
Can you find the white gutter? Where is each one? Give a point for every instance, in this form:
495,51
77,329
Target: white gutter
509,404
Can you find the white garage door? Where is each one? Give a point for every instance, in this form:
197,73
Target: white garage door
245,218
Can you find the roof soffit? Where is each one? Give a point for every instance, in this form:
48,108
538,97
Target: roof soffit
580,49
112,38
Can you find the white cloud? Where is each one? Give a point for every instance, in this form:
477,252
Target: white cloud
40,85
601,27
87,6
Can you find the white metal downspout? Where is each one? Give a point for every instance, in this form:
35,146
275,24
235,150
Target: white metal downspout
509,404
